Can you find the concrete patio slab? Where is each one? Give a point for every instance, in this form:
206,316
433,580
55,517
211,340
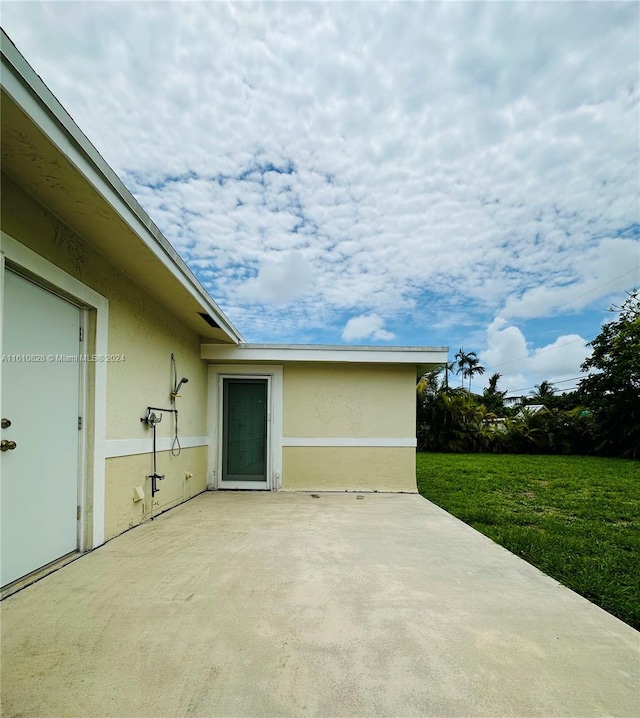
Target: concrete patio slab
276,604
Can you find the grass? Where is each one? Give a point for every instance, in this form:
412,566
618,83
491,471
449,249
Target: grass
577,518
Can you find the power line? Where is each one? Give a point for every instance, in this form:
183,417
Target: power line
591,291
562,381
542,351
561,392
558,346
553,383
584,294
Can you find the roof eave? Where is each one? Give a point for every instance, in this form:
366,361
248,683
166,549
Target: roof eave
37,102
423,358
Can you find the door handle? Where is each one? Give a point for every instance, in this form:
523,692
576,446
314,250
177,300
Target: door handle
7,445
6,423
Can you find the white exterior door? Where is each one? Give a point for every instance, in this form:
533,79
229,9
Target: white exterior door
40,399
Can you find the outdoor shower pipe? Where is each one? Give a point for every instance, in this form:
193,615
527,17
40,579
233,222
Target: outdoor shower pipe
152,420
175,444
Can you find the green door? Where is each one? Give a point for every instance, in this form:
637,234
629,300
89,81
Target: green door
244,433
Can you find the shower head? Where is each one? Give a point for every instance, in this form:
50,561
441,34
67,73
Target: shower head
182,381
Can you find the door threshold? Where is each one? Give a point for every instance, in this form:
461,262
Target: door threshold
36,575
242,488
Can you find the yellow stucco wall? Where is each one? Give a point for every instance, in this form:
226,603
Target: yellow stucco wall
140,329
348,468
126,472
349,400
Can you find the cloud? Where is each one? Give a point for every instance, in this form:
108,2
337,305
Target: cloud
279,281
413,161
505,345
560,359
602,270
508,353
365,327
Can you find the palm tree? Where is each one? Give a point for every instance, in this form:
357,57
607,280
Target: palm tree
493,382
469,364
447,368
462,362
492,397
473,367
544,391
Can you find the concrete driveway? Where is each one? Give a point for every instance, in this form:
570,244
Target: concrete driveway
249,604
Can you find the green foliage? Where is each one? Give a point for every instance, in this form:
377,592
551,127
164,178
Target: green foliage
613,392
566,401
451,420
454,420
544,393
549,431
576,518
493,398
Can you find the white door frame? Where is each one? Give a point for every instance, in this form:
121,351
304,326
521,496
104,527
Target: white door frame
237,483
273,375
92,448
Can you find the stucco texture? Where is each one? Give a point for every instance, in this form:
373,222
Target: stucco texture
348,468
366,403
124,473
349,400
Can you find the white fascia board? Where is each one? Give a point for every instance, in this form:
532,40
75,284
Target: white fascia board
318,353
35,99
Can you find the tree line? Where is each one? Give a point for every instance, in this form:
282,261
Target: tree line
601,416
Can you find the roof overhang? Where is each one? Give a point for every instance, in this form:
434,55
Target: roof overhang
46,153
422,358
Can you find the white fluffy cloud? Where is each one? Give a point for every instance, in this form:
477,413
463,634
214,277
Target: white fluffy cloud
365,327
604,269
519,364
279,282
407,161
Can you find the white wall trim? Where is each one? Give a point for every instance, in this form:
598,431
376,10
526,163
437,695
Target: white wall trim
83,449
21,256
417,356
130,447
259,371
348,441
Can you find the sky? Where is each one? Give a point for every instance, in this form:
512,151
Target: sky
402,174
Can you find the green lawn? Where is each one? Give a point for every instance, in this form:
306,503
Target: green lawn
577,518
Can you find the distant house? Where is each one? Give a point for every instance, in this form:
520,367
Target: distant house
514,400
529,410
103,323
